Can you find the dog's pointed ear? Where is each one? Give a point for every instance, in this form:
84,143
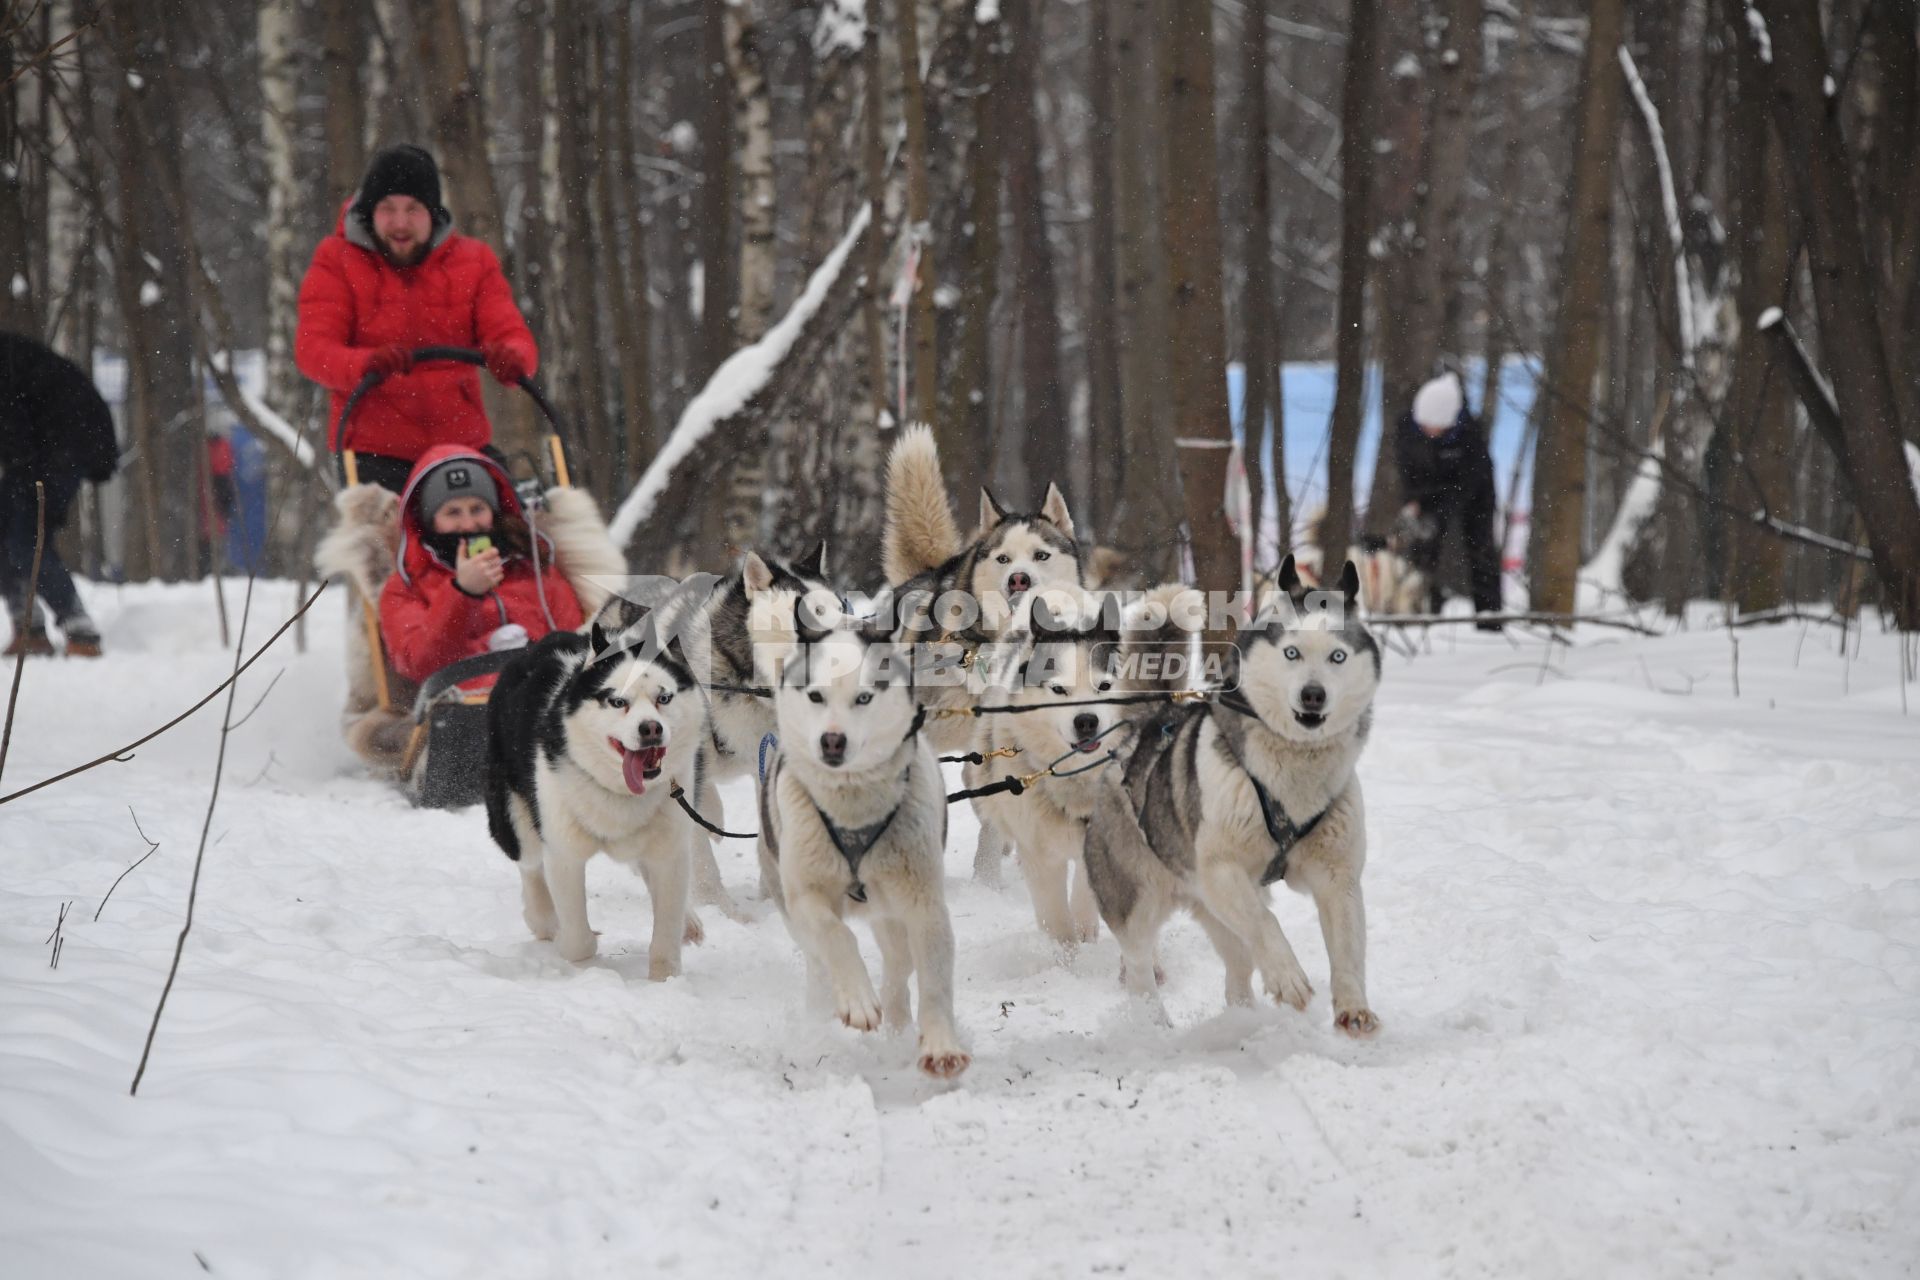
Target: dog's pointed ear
814,614
1350,587
879,628
616,618
1287,577
755,573
991,512
1055,509
814,565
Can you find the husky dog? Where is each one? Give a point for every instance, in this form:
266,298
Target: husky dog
1389,581
927,562
587,737
1220,800
853,822
1066,666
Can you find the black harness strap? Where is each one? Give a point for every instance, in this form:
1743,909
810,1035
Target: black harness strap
1281,829
1008,784
855,843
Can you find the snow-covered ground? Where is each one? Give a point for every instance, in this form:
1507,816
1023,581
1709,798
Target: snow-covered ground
1645,951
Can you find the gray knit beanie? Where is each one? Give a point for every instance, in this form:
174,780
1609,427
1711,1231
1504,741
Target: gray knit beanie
456,478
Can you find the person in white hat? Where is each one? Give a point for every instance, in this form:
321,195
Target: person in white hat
1446,474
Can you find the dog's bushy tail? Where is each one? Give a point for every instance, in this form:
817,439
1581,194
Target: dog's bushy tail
921,534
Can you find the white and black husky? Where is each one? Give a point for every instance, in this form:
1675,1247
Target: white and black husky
962,595
853,822
1221,800
587,736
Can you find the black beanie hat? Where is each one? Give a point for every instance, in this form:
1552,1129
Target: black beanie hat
405,170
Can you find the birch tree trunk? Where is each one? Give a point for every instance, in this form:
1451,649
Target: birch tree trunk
279,36
1565,397
965,425
741,495
714,232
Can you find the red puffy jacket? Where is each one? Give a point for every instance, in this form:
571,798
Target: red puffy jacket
353,301
428,621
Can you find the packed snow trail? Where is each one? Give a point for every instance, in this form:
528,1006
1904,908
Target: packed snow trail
1645,953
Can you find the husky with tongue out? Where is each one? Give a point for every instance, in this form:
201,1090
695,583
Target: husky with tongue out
588,737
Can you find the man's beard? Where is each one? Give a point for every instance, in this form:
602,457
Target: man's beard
411,258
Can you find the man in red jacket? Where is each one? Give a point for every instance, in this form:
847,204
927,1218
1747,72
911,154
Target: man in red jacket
392,277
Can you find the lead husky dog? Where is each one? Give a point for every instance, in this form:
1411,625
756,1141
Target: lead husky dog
853,822
587,737
1223,799
985,575
1069,663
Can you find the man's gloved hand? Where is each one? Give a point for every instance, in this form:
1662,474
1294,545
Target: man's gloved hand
505,363
390,359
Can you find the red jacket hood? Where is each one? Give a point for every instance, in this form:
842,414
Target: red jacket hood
414,556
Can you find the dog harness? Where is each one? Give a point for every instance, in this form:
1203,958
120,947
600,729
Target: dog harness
855,842
1281,828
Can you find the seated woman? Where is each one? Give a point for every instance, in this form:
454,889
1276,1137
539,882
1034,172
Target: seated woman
470,576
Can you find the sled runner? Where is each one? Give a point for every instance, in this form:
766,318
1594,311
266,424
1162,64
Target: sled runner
431,737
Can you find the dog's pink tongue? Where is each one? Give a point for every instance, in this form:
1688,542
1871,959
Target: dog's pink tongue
634,766
633,769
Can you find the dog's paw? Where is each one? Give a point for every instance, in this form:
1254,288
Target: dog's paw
695,933
943,1062
859,1010
1159,974
1087,932
1358,1023
1290,987
543,925
578,948
660,968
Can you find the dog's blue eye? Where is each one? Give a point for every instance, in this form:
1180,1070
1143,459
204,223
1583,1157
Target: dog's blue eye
815,696
665,696
1338,655
1042,555
862,698
1293,654
617,702
1004,559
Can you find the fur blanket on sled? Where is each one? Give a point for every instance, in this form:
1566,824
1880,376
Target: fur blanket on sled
360,549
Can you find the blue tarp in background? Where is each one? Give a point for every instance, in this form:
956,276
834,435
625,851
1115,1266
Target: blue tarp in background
1307,395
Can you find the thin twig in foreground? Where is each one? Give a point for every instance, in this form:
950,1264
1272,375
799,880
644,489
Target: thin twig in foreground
27,618
123,753
200,855
152,847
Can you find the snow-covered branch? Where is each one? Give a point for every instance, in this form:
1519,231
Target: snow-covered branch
261,412
736,385
1683,299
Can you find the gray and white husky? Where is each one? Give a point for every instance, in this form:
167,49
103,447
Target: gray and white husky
853,822
587,736
984,577
1055,710
1220,800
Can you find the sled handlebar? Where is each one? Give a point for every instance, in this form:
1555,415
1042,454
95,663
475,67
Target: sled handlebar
458,355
